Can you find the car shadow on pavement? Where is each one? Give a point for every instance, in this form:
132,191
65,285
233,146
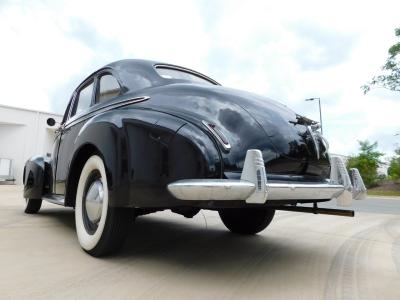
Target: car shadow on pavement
184,244
64,215
209,250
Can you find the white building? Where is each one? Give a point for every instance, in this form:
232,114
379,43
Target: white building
23,133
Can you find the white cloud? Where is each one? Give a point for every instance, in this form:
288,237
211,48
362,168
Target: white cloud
287,50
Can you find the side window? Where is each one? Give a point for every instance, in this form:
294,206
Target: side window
109,88
66,114
84,99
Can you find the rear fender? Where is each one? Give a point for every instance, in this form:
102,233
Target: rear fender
143,151
108,135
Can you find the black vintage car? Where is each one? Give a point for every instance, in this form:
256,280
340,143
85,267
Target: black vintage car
140,136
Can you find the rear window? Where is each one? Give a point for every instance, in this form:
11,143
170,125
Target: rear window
170,73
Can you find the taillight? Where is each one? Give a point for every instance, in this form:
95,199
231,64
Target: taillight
218,135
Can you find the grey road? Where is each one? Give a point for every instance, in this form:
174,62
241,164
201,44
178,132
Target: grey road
300,256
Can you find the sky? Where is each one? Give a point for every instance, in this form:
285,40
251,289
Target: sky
284,50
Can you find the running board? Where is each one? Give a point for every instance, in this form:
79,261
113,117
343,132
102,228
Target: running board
55,199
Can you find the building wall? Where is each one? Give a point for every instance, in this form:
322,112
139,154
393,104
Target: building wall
24,133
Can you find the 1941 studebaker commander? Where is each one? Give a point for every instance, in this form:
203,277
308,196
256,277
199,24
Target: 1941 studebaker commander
139,137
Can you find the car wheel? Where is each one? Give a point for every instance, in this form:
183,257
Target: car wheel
246,220
32,206
101,229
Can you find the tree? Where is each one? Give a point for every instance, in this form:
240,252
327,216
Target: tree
390,79
367,162
394,166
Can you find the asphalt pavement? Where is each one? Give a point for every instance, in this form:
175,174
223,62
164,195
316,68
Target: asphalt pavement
166,256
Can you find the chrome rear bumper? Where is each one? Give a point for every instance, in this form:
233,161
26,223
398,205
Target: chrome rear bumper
254,188
221,189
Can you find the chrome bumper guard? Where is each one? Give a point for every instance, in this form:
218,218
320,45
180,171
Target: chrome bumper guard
254,188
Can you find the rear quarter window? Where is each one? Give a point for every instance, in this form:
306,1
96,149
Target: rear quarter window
109,88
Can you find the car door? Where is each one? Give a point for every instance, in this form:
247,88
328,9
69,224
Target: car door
83,100
56,145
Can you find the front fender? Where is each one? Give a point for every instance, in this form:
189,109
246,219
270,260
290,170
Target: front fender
33,177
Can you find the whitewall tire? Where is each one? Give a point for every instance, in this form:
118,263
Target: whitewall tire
101,229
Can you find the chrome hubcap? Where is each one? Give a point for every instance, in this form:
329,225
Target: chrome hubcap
94,201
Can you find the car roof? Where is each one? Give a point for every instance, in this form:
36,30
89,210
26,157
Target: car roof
136,74
132,62
146,68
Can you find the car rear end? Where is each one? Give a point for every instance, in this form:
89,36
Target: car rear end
270,156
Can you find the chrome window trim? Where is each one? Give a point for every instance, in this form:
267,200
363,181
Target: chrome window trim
105,108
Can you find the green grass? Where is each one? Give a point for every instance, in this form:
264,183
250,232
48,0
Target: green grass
383,193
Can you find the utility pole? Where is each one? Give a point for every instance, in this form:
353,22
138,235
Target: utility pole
320,113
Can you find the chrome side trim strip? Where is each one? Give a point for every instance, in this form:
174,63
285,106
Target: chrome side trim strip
215,134
106,108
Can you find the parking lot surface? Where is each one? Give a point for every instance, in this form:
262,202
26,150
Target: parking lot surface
299,256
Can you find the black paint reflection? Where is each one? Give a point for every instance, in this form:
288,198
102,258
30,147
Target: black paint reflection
249,122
